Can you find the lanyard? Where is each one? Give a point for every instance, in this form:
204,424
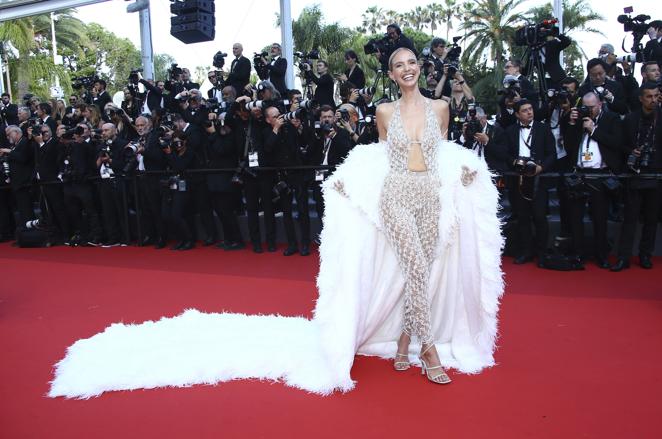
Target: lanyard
527,142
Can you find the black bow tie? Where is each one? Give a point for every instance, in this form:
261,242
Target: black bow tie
525,126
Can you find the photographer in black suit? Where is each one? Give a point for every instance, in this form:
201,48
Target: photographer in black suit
276,69
224,152
20,157
8,111
653,48
47,153
551,51
529,149
240,69
328,145
642,140
100,96
154,96
610,92
592,141
324,82
112,166
354,73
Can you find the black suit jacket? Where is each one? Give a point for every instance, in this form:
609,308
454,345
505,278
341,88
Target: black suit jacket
47,157
607,134
552,66
101,100
154,158
10,114
324,89
357,77
240,73
277,72
619,105
631,132
341,144
543,146
224,152
51,124
653,52
496,135
197,142
21,164
154,95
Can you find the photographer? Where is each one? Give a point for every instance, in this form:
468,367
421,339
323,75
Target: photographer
323,81
154,96
513,67
459,101
642,139
275,69
8,111
592,141
114,161
328,146
77,165
240,69
650,72
215,92
347,119
177,200
435,84
281,142
24,119
100,96
47,155
122,122
257,185
20,157
354,73
131,105
44,115
528,148
610,92
191,108
483,138
197,144
224,152
396,40
554,45
653,49
153,158
621,75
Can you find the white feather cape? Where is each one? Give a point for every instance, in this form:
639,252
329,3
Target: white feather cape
359,309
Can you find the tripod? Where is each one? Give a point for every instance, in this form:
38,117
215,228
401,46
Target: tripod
534,68
386,84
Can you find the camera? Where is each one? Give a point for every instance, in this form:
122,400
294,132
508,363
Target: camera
266,104
368,120
134,78
323,128
281,188
375,45
643,161
601,92
174,72
558,96
584,111
130,156
473,124
525,166
69,134
344,114
86,82
511,87
535,35
242,170
306,63
367,91
4,170
297,114
454,52
219,59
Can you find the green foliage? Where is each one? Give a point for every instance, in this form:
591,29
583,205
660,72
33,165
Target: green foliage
162,62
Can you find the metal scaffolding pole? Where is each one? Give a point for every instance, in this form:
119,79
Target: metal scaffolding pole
147,54
288,44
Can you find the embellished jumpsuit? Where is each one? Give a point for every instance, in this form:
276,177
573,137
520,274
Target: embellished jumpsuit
409,209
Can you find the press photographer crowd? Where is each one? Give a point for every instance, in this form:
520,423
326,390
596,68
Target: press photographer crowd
91,173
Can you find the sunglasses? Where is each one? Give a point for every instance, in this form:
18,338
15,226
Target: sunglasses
44,132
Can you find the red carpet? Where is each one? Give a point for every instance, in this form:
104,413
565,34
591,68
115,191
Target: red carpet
579,355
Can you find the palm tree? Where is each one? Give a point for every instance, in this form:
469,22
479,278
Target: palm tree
491,28
418,18
451,11
29,41
436,16
373,18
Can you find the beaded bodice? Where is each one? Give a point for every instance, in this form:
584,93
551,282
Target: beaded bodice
398,143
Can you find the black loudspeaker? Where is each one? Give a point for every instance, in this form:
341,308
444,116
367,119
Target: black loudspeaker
193,21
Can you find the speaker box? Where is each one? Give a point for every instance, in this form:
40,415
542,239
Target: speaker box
194,31
185,6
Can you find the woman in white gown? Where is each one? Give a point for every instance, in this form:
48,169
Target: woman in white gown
410,231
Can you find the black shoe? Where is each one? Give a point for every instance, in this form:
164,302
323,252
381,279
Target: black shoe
178,246
188,245
160,244
645,262
95,242
290,250
305,250
257,248
111,244
519,260
271,247
602,263
234,246
621,264
209,242
146,241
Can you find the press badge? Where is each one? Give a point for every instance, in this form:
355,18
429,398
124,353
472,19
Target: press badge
587,156
252,159
319,175
182,186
